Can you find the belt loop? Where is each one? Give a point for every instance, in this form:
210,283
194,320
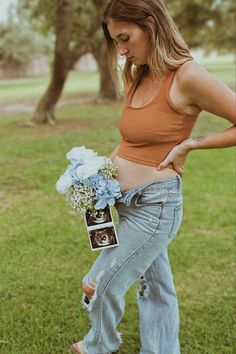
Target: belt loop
136,199
130,196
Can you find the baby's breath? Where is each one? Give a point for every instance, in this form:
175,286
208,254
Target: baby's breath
80,197
109,170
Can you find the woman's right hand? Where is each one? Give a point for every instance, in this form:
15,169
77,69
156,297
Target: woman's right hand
177,157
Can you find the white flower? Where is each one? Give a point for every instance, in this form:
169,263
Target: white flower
80,153
91,167
64,183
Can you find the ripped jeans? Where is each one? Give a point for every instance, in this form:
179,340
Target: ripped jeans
149,217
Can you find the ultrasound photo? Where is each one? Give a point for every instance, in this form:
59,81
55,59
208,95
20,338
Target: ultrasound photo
103,238
102,216
101,229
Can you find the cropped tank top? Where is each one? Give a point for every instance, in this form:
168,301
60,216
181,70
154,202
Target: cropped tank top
151,131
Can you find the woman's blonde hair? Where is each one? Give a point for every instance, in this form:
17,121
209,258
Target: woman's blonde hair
168,50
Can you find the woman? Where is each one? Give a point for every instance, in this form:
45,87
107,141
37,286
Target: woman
165,90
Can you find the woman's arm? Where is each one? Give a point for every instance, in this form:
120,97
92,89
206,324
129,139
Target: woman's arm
208,93
225,138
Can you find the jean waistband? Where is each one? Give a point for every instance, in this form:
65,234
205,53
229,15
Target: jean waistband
167,183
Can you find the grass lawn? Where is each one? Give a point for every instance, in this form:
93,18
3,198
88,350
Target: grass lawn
45,252
32,88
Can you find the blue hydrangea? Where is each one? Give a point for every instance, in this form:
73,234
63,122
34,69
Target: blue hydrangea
107,191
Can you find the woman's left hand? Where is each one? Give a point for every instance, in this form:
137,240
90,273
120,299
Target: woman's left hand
177,157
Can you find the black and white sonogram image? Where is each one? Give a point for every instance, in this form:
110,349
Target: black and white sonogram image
103,237
101,229
101,216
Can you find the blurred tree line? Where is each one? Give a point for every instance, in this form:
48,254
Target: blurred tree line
71,28
19,42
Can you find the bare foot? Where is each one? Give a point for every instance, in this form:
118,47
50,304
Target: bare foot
77,348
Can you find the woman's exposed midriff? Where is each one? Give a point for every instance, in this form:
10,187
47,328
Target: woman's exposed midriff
132,174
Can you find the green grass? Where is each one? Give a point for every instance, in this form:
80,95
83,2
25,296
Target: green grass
33,88
45,252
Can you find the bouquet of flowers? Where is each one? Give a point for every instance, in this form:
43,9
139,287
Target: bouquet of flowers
90,188
89,181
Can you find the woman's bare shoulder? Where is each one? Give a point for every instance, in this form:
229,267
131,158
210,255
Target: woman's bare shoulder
190,71
205,90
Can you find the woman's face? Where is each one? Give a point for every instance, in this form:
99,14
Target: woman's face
131,40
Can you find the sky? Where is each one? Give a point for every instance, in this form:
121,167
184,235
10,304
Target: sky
4,5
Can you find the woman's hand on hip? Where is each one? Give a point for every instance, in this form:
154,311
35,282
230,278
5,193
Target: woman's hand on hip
177,157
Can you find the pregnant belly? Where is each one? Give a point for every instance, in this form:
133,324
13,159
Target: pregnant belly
132,174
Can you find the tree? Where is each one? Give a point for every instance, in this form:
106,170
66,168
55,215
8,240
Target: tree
107,88
77,31
64,19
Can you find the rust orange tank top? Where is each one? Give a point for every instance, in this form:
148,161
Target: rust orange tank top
151,131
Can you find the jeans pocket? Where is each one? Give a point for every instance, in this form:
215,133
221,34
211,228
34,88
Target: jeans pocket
177,218
144,198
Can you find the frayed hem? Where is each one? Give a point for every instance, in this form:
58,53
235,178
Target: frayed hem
120,340
113,351
85,347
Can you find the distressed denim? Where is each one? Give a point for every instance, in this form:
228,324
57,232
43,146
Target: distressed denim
149,217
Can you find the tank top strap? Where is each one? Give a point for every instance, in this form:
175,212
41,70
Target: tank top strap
167,87
170,77
166,82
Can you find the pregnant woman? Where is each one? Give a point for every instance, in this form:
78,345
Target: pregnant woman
165,90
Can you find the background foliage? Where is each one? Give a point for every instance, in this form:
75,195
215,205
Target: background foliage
19,41
207,24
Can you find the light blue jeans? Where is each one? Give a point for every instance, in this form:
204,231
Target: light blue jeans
149,218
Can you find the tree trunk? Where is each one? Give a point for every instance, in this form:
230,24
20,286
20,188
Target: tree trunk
64,19
45,110
107,87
